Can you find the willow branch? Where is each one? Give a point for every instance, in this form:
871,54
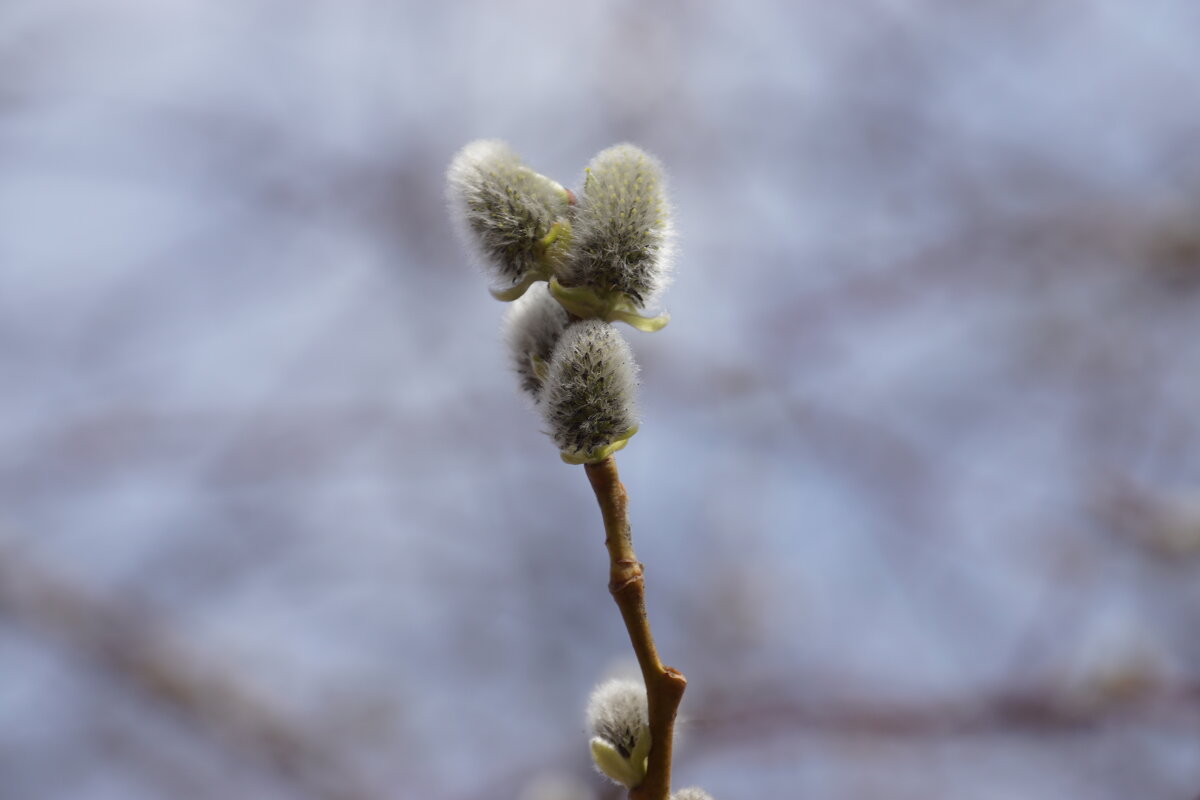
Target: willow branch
664,685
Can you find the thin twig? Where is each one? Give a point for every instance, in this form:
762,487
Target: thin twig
664,685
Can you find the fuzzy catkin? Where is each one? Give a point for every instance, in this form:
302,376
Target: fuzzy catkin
502,208
588,397
691,793
616,713
621,234
533,326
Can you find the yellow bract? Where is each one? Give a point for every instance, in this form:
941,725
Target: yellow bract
598,454
587,303
628,772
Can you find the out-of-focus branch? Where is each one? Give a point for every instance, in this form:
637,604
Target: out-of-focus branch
121,642
1033,711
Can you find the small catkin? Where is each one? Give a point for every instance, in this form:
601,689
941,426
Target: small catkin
616,713
502,208
588,398
622,234
533,326
691,793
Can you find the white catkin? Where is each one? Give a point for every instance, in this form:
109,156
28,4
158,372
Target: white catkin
616,712
533,325
691,793
622,238
588,397
501,208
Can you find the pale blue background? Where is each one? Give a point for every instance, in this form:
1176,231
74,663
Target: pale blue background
920,443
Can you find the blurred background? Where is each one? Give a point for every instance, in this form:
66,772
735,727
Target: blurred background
918,481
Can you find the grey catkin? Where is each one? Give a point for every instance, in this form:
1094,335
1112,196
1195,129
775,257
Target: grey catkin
588,398
502,208
533,326
616,713
622,238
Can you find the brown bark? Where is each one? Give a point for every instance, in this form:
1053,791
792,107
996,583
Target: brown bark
664,685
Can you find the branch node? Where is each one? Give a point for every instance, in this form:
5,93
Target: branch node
629,584
664,685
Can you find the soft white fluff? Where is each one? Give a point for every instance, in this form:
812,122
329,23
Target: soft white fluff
588,397
501,207
616,713
533,326
622,239
691,793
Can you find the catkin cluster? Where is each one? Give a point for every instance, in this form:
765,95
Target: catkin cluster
572,266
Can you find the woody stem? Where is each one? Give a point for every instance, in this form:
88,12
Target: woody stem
664,685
